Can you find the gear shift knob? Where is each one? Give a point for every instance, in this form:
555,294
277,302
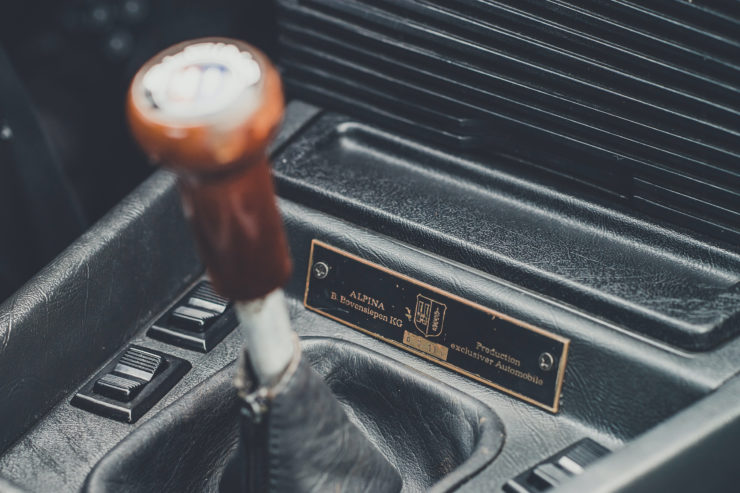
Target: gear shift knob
208,109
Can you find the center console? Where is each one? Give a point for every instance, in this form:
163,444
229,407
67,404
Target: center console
639,323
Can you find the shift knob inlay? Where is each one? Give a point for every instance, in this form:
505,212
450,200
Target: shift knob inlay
201,81
208,109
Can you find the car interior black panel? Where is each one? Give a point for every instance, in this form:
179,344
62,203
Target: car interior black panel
469,439
177,450
502,252
597,259
38,205
88,303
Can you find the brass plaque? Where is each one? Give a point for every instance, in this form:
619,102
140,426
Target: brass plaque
475,341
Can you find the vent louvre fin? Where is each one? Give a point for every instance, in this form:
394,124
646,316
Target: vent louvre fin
641,100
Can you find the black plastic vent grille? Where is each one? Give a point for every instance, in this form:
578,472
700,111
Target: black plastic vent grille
642,101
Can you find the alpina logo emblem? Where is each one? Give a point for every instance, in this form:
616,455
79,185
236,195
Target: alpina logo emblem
429,316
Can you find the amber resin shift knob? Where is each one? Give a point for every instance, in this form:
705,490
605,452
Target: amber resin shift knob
208,109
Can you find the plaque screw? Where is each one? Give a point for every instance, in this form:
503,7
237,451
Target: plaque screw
320,270
546,361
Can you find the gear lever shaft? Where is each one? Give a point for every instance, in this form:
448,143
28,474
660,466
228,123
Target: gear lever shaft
207,109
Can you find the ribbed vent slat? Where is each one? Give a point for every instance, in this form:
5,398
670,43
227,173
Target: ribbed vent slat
534,20
640,99
659,23
630,36
563,54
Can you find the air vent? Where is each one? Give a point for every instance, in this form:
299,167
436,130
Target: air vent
641,100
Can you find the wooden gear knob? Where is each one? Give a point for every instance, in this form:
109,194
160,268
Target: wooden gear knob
207,109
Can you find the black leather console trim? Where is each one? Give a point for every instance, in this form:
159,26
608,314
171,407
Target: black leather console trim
591,254
618,384
695,450
80,309
180,448
614,381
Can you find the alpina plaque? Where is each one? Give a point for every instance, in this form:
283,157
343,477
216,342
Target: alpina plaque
485,345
